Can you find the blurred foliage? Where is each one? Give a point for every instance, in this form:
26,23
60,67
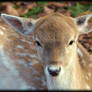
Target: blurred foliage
41,3
15,6
33,12
79,8
0,3
74,10
35,9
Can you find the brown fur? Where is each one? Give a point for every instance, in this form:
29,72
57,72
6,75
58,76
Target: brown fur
54,32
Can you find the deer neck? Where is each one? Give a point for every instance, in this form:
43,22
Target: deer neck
78,76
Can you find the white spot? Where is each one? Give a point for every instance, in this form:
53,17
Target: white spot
43,81
89,74
1,46
21,54
87,77
83,62
14,34
8,39
3,28
35,72
33,48
1,33
20,46
88,87
32,55
29,42
37,78
23,40
33,62
79,52
90,65
37,39
23,63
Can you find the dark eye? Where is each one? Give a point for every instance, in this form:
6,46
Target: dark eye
71,42
38,43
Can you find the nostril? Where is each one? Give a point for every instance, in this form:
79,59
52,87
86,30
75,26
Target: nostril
54,72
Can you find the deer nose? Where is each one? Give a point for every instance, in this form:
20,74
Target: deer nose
54,71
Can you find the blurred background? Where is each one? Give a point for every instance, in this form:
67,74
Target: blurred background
41,8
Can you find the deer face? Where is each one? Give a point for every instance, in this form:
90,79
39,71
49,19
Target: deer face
56,43
56,38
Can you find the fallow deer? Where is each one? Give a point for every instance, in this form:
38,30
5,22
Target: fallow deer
61,62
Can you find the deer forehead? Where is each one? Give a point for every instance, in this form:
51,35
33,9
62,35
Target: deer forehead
55,29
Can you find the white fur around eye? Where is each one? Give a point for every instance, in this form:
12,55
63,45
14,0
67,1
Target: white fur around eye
36,39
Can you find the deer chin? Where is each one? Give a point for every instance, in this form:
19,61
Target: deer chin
59,82
54,82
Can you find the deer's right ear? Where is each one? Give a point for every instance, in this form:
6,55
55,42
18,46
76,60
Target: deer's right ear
21,25
84,23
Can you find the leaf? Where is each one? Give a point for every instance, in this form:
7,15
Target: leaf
15,6
34,11
75,10
41,3
1,3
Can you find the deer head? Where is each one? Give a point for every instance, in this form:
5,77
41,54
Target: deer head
56,37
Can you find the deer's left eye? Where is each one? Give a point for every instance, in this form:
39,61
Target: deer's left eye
38,43
71,42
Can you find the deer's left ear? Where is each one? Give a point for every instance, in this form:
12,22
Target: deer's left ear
22,25
84,23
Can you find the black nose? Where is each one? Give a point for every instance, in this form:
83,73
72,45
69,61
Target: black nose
54,72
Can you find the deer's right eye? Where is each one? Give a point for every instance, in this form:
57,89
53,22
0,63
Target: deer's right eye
38,43
71,42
